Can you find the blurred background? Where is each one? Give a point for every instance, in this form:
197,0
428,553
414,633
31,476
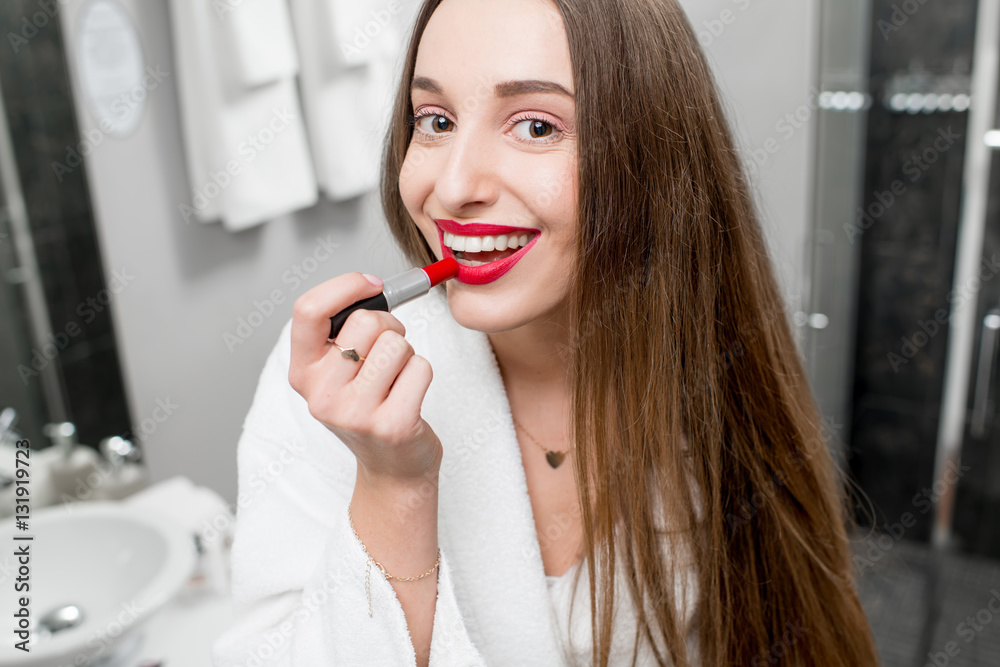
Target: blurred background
175,173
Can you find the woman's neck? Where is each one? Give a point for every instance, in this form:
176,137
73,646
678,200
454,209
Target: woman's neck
534,365
535,358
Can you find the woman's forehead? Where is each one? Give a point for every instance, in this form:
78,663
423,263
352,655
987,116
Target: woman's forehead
472,42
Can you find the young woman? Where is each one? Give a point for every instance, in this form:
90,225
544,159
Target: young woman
622,409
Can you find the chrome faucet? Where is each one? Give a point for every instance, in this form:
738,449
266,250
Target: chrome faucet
118,451
7,420
63,436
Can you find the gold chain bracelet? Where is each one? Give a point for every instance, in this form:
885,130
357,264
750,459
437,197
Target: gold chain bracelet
371,560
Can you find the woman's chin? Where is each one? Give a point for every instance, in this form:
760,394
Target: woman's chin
479,313
494,314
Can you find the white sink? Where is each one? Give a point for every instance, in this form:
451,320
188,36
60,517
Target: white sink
119,566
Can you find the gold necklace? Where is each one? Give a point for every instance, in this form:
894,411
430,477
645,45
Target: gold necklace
553,457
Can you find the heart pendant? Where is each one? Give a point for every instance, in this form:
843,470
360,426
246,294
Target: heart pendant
555,458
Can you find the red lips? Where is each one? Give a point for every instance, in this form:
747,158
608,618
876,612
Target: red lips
487,273
480,228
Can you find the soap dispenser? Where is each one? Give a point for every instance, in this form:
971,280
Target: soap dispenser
73,469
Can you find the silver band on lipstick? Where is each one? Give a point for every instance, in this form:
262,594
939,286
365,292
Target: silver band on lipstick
406,285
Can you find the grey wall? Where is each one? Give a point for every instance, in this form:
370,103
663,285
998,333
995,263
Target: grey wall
192,282
765,53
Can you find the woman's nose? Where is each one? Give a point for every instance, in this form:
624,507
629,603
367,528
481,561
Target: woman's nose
470,173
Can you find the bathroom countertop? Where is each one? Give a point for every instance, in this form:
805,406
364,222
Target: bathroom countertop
180,634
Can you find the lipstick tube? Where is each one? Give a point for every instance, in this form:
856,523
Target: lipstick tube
399,289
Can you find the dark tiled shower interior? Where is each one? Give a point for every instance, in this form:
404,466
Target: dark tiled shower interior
925,608
907,259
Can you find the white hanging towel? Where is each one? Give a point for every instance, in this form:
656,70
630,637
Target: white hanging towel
244,135
350,53
259,34
363,31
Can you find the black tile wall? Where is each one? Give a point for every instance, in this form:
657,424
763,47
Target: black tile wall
907,259
36,88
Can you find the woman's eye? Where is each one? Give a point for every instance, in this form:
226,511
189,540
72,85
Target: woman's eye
437,122
530,130
535,128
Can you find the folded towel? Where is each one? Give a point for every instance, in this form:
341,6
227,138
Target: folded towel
197,509
348,102
259,37
244,135
363,31
263,132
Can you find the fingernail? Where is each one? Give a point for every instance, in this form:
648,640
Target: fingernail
374,280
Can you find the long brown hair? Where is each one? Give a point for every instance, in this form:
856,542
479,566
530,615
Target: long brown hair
688,391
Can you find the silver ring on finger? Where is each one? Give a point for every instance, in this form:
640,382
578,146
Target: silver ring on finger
348,352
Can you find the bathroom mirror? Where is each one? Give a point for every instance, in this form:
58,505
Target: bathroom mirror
58,353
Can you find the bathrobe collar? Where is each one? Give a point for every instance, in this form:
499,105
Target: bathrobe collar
486,522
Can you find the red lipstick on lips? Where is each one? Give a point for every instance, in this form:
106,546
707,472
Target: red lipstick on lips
487,273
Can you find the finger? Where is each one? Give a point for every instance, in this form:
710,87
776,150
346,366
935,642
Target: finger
407,394
361,329
382,364
312,311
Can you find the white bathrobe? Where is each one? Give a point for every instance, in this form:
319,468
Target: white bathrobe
298,571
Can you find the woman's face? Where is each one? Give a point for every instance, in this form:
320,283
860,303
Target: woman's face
494,143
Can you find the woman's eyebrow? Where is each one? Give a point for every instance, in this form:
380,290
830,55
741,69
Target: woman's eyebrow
502,89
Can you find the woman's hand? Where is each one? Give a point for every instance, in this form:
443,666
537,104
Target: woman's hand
372,406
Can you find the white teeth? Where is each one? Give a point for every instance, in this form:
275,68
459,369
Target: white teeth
485,243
